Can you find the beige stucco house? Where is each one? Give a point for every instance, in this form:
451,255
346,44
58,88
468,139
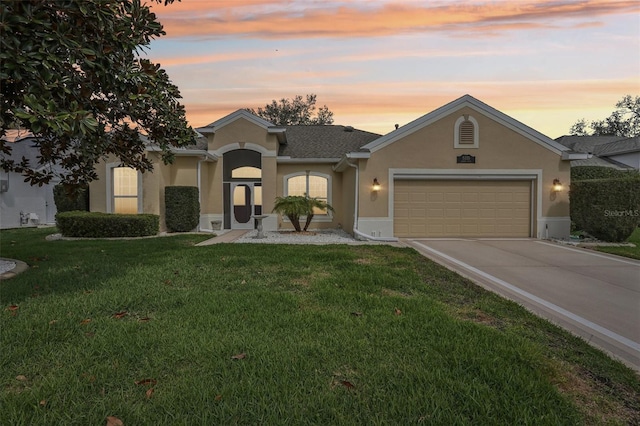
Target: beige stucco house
463,170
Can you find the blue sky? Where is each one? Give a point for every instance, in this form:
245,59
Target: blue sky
378,63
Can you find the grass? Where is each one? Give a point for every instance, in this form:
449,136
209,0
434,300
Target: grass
632,252
148,331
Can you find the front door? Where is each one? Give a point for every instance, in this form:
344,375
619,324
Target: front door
246,201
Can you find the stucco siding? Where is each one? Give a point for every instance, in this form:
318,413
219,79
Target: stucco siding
98,189
242,131
348,199
432,147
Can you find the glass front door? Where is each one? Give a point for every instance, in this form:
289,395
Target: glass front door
246,200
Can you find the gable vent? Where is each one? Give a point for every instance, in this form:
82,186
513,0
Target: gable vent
466,132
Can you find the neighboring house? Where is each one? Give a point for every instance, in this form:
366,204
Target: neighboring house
20,203
463,170
606,151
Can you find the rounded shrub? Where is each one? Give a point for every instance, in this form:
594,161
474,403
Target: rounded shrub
182,208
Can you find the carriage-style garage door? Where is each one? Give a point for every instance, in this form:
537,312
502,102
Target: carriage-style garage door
459,208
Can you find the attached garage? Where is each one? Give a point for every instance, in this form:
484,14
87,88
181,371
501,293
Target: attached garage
462,208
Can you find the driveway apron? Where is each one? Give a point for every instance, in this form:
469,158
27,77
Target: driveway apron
592,294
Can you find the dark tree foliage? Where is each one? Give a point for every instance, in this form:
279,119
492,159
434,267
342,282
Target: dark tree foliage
71,73
624,121
294,111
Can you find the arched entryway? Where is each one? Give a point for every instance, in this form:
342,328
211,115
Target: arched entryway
242,181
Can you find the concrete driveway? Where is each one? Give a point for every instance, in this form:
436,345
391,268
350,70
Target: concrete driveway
592,294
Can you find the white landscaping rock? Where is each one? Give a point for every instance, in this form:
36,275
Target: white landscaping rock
6,266
289,237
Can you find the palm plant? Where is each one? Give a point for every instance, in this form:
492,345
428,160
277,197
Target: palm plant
295,206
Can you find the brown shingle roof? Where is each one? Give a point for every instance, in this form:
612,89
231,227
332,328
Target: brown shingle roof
323,141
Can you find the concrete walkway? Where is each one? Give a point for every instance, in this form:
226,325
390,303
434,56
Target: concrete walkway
226,237
592,294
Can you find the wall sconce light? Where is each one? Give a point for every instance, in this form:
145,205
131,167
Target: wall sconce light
376,185
557,185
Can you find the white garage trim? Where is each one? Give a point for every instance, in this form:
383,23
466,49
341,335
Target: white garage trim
534,175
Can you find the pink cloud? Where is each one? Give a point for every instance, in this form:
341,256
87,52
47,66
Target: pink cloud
272,19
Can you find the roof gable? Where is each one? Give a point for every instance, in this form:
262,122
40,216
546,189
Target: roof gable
473,103
237,115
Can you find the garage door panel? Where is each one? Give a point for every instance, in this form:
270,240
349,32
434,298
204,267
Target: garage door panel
484,197
418,197
453,213
402,229
401,213
453,197
401,196
467,213
521,197
435,229
472,197
487,213
419,228
462,208
436,197
504,213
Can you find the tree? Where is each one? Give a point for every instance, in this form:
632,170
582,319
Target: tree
294,111
295,206
71,73
624,121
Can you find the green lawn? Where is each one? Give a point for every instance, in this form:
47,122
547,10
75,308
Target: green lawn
632,252
147,331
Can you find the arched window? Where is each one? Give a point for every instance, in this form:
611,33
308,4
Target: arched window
246,172
466,132
315,185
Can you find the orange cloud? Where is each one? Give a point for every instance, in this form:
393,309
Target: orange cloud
220,57
272,19
550,108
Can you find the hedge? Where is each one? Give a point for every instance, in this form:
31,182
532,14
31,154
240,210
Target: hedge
608,209
106,225
70,201
598,172
182,208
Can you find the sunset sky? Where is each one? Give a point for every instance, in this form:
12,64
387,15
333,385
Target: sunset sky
378,63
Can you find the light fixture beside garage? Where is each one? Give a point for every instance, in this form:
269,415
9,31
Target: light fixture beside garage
376,185
557,185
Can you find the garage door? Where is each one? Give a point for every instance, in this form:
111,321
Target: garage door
458,208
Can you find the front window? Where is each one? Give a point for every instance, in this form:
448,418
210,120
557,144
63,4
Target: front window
315,186
246,172
125,190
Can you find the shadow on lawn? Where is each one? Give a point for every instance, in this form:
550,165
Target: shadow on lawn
64,266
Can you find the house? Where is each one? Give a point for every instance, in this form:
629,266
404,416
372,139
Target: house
463,170
22,204
616,152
